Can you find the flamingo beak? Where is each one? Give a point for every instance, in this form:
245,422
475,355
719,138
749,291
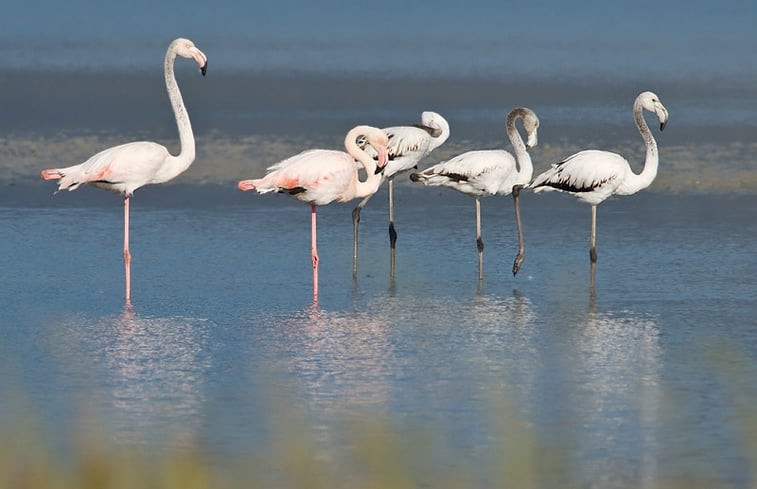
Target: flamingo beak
383,158
200,59
662,114
533,139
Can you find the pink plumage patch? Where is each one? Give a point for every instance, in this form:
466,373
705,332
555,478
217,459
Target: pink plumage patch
288,181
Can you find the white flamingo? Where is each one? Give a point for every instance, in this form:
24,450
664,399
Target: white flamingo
125,168
321,176
593,175
491,172
408,145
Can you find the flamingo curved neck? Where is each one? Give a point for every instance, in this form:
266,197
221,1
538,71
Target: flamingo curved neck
438,140
635,182
525,166
372,181
186,137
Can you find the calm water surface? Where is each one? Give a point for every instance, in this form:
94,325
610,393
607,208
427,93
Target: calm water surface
224,327
645,381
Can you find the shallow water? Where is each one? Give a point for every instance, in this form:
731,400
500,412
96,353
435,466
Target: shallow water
646,380
224,326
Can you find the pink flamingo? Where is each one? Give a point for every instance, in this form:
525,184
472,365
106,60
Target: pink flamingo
125,168
322,176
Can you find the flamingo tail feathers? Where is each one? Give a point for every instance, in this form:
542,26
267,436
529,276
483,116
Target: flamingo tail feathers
51,174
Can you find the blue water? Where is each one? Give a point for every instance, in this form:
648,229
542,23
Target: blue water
584,40
645,380
223,327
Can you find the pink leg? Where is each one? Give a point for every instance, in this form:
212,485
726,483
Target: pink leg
127,255
314,249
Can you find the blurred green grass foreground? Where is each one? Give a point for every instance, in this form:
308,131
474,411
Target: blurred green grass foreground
374,454
370,451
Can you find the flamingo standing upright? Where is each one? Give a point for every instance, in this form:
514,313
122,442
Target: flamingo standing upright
321,176
491,172
593,175
125,168
408,145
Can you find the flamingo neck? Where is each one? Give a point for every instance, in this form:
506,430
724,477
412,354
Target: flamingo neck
635,182
372,180
437,141
525,166
186,138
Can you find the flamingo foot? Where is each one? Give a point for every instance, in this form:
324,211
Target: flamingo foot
518,262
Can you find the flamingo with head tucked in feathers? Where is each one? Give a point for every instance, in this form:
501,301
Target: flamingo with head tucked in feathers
491,172
408,145
125,168
320,176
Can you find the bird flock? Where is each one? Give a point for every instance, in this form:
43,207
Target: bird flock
322,176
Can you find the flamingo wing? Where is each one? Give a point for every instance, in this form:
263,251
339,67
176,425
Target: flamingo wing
475,172
120,168
321,174
585,171
407,146
407,140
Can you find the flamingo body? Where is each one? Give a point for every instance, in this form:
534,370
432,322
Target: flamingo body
121,169
408,145
476,173
317,176
590,175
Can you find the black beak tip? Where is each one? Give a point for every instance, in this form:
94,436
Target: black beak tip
204,68
379,170
662,125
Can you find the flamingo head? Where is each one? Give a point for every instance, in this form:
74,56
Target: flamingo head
531,124
376,139
651,102
379,141
187,49
383,158
437,123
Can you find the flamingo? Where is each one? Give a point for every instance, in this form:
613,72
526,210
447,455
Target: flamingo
321,176
593,175
125,168
407,146
490,172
